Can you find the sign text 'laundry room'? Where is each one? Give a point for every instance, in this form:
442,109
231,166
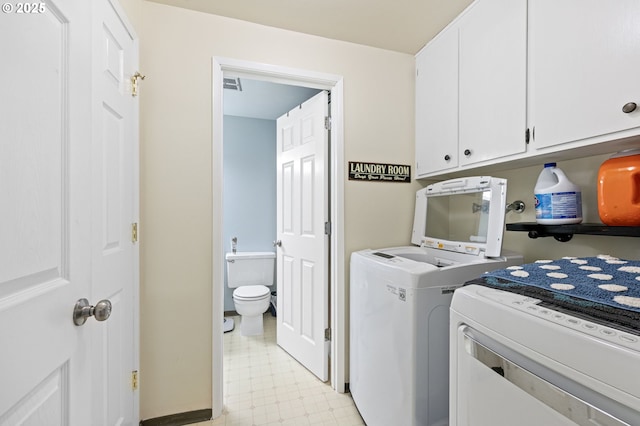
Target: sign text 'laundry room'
377,172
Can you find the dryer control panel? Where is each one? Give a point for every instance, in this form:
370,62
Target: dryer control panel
537,308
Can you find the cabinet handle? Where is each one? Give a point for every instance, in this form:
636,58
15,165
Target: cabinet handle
629,107
467,152
447,157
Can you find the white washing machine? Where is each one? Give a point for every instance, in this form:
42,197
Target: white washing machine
400,297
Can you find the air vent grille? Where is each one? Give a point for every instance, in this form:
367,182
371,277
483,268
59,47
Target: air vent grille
232,84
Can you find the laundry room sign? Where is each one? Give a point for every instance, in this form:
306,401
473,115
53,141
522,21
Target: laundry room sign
377,172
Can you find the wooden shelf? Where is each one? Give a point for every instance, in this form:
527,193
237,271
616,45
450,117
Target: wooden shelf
564,233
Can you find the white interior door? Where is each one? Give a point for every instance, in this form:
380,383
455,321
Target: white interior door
114,210
302,258
69,194
45,184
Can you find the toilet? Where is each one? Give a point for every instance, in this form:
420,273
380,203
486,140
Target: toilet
250,273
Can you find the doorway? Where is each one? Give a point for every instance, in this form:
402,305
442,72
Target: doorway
228,67
251,109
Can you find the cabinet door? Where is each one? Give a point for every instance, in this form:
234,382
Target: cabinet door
585,57
437,104
493,80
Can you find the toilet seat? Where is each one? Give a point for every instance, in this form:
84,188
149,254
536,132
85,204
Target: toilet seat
251,292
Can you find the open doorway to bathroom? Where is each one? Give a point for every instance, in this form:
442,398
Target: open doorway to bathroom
252,209
256,363
251,108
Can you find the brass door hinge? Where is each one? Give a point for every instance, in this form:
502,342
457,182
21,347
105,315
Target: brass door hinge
134,380
134,83
134,232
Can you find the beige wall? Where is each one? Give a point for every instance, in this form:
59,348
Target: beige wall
176,202
583,172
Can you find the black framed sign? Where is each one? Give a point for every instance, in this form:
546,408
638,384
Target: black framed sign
379,172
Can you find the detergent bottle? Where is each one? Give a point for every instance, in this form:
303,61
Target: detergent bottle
619,189
558,200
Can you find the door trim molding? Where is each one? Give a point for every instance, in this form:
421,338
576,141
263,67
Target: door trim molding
297,77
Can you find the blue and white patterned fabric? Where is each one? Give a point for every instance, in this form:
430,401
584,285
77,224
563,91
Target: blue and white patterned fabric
603,279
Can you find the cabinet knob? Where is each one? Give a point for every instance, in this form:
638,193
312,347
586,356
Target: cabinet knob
629,107
467,152
447,157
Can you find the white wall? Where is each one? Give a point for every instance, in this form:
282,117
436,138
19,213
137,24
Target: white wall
176,202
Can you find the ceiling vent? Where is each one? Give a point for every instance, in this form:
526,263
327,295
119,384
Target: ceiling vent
232,84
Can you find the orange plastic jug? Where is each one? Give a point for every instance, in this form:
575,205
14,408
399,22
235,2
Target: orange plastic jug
619,189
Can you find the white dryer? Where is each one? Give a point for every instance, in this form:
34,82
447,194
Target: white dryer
519,360
400,297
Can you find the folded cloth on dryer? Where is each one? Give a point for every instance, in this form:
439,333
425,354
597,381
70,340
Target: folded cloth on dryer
602,287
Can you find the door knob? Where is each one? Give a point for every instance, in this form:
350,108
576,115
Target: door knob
277,243
101,311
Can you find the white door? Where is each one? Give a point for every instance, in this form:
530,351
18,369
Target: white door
45,176
114,210
51,225
302,258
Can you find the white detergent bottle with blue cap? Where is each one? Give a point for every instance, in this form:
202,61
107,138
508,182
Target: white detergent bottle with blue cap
558,200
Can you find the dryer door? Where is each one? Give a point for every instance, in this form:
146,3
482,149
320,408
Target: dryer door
494,385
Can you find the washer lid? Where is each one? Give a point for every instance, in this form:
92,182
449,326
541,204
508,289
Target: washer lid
464,215
251,292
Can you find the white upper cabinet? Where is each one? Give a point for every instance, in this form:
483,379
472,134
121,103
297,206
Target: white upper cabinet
437,104
584,69
493,80
567,70
471,89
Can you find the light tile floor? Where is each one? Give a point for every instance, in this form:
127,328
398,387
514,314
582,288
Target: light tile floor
263,385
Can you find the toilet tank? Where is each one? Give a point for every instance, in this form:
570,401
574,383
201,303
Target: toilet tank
250,268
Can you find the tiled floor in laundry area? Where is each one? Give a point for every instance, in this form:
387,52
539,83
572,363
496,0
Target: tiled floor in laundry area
263,385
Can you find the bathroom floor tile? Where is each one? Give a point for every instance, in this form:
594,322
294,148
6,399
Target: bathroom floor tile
264,386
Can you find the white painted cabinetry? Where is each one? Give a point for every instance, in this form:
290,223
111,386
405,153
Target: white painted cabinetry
437,104
471,89
567,70
493,80
585,67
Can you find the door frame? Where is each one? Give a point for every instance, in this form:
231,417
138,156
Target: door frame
295,77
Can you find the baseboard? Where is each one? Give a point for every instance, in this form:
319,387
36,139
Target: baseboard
230,314
180,418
